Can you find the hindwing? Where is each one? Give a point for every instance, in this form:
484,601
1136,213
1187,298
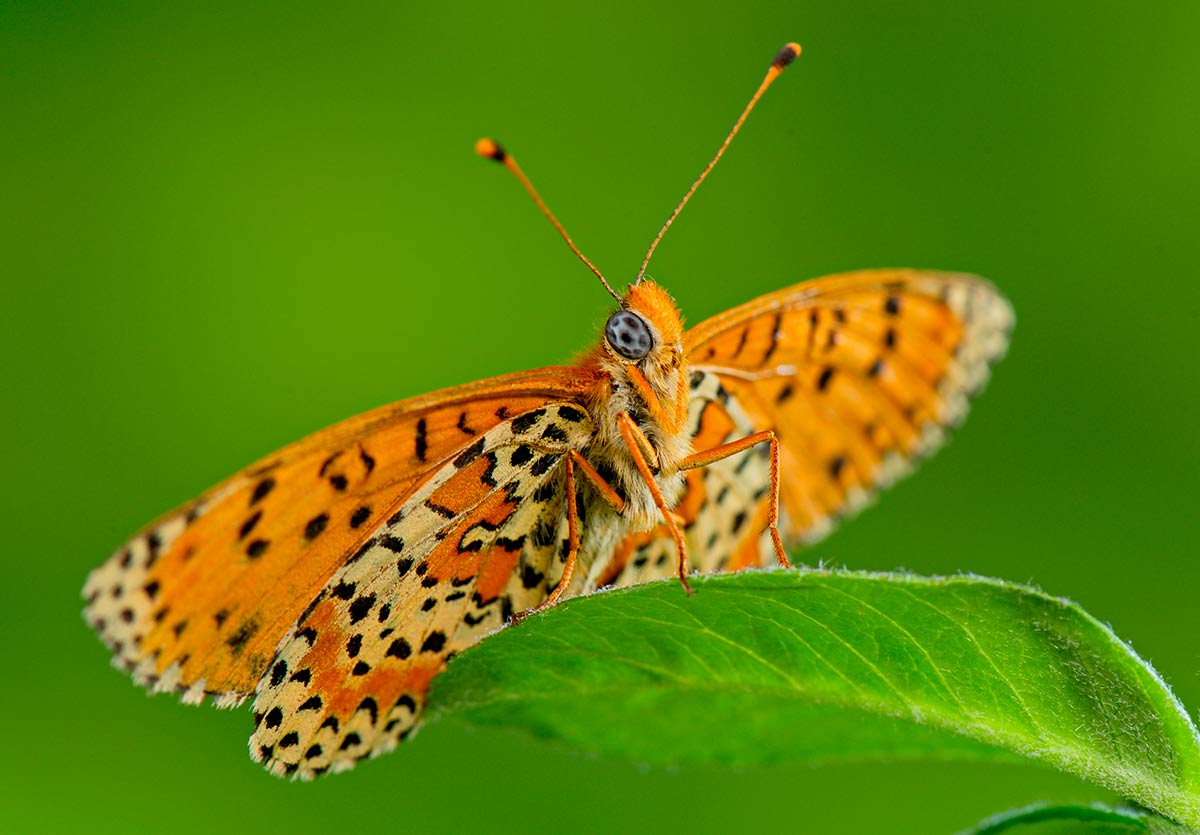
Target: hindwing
483,538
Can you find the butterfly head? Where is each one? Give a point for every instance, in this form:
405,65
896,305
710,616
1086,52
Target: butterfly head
647,329
642,352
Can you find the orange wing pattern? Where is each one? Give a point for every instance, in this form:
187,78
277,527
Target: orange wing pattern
484,537
197,602
859,375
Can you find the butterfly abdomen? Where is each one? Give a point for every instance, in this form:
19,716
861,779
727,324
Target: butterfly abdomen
720,505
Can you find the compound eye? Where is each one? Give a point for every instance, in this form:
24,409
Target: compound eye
628,335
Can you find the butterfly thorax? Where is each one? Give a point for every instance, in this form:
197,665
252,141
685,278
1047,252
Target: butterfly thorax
653,391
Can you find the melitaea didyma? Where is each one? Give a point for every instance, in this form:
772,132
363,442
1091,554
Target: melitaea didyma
334,579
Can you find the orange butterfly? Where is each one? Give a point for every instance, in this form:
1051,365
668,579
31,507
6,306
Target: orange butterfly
334,579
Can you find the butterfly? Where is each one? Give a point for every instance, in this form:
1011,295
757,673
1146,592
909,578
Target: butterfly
333,580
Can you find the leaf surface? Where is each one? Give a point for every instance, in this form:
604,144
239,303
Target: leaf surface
1078,820
815,666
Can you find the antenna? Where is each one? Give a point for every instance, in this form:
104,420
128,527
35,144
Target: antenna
784,57
491,149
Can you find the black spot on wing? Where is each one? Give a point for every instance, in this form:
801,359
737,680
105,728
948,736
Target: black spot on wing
153,544
469,454
237,641
370,706
367,460
261,490
825,377
249,524
836,465
554,433
327,463
531,578
278,672
775,335
462,425
741,342
361,607
315,525
421,446
525,422
440,510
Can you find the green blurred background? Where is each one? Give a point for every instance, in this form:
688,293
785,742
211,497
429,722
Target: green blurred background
223,228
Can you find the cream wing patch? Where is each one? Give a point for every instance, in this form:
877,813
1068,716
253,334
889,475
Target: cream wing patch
482,539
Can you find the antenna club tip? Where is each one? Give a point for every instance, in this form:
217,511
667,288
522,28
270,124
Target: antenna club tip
490,149
786,56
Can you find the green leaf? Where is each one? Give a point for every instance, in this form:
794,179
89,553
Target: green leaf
811,666
1078,820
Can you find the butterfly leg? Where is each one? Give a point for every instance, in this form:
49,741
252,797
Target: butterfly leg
640,449
710,456
572,547
574,459
606,491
